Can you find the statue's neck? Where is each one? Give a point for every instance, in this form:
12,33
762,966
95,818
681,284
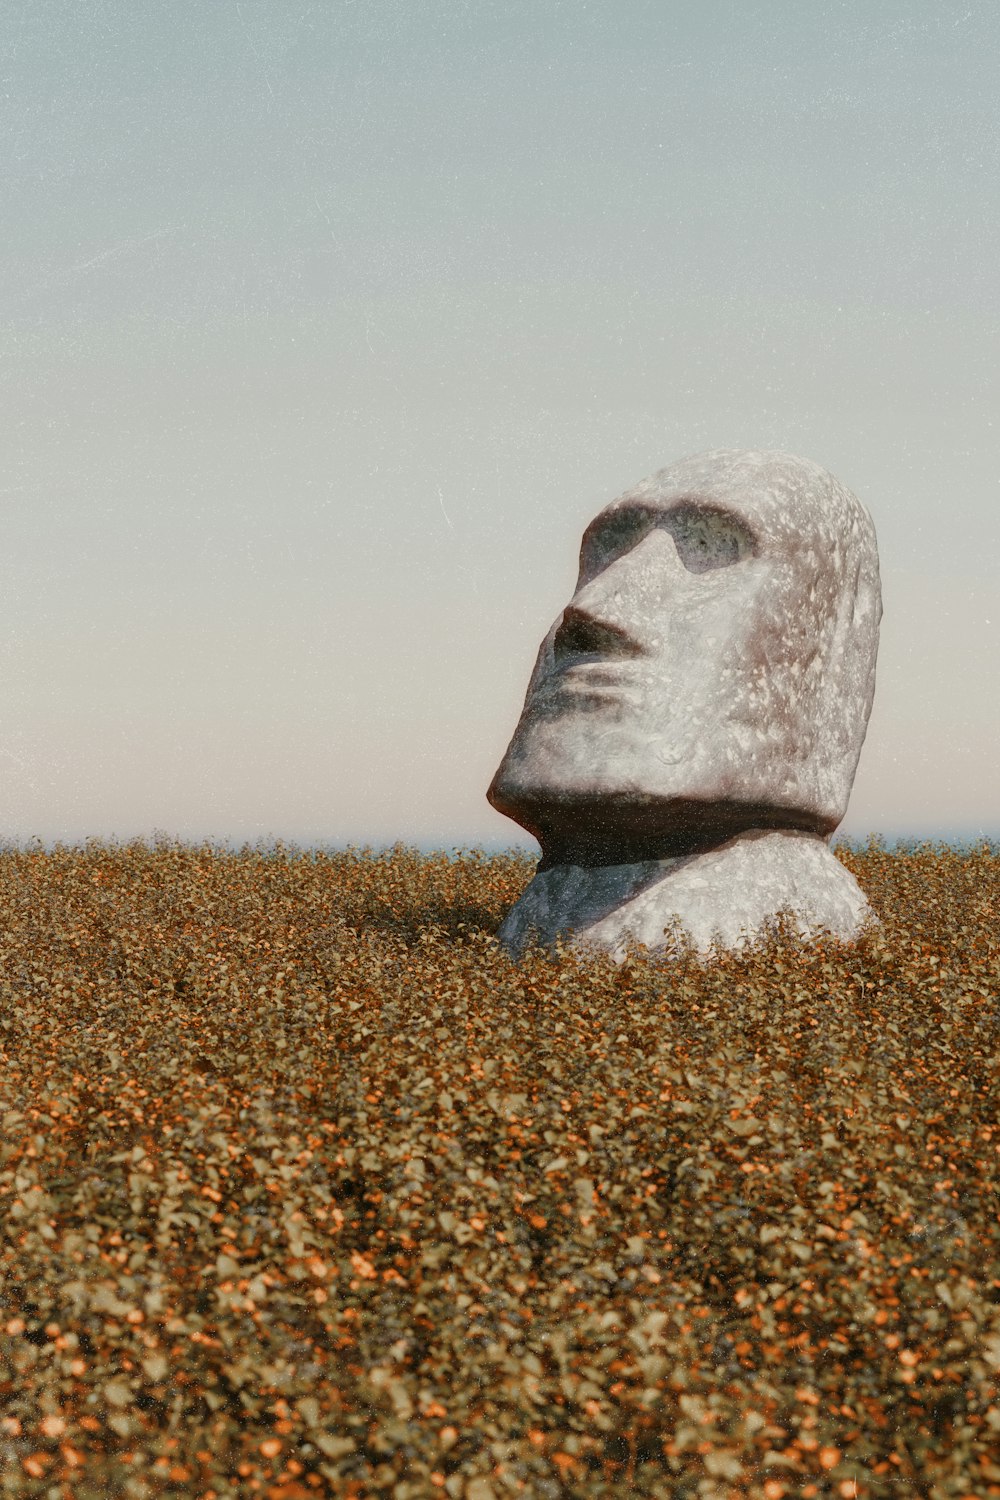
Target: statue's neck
591,842
729,890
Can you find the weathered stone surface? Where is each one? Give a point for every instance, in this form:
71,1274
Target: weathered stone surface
712,675
726,895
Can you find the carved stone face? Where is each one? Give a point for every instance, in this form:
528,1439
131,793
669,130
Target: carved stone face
713,672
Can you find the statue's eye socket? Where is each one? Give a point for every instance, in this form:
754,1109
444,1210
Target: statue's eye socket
707,539
604,544
704,538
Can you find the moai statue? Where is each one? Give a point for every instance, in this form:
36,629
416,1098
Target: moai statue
695,716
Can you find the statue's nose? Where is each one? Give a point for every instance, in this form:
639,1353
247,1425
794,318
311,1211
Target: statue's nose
625,593
581,633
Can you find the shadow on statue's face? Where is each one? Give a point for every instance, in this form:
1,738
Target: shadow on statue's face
675,698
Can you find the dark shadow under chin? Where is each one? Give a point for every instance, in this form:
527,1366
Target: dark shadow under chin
619,831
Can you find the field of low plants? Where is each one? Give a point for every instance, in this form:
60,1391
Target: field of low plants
306,1189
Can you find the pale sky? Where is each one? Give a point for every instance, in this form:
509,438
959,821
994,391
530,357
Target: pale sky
328,324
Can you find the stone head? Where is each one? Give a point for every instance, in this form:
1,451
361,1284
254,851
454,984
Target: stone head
712,673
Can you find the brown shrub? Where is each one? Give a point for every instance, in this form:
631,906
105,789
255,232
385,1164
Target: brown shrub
306,1189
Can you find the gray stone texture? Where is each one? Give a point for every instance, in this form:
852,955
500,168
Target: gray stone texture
711,677
725,896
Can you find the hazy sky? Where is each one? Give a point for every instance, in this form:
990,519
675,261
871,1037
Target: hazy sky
328,324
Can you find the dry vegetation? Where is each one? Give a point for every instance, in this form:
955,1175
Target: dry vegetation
307,1190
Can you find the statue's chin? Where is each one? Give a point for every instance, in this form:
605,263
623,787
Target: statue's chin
616,770
606,825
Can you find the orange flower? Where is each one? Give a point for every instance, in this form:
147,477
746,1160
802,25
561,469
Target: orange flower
363,1266
271,1447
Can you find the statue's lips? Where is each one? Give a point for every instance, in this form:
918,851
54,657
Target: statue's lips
591,678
